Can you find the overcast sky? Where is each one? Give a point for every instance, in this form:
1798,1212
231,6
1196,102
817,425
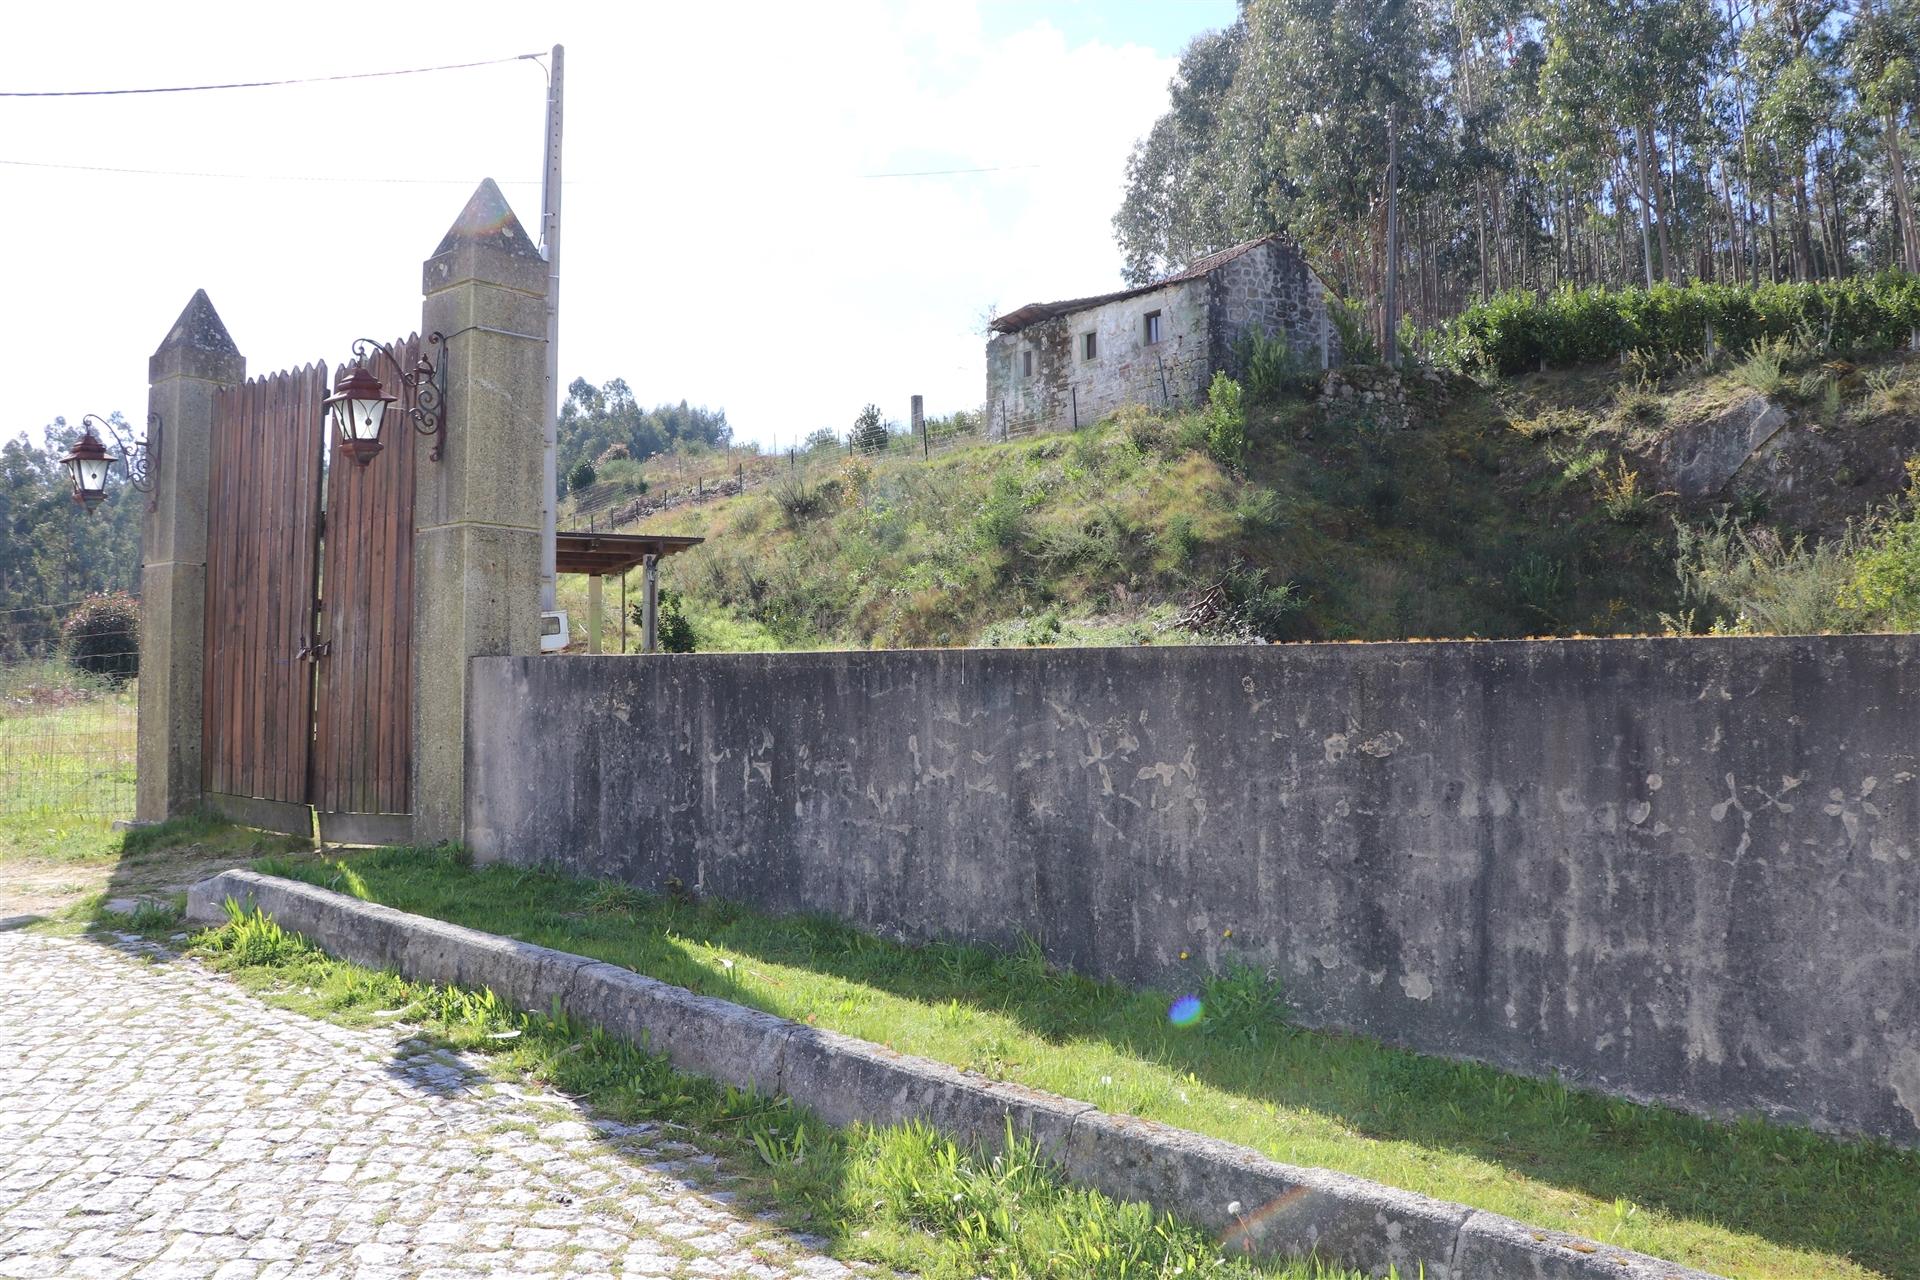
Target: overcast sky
726,238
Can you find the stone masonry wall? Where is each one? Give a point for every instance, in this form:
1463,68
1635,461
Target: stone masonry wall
1270,289
1126,369
1685,870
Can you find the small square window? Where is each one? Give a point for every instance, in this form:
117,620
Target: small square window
1088,346
1153,326
1026,364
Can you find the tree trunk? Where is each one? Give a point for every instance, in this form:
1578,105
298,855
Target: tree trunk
1390,337
1802,223
1902,196
1663,207
1646,203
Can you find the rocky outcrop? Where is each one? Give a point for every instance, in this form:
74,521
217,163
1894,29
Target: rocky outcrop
1698,460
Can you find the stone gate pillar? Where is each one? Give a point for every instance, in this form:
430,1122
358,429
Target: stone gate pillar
196,360
476,558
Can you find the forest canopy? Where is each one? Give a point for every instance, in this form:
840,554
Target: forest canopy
1537,143
597,419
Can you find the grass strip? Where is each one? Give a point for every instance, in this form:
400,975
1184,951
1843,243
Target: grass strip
902,1196
1744,1199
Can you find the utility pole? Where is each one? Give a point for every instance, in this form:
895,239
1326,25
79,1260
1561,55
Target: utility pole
550,250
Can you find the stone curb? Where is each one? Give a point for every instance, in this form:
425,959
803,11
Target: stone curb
1261,1204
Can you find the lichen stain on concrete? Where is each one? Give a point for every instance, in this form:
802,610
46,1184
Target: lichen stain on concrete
1905,1079
1417,986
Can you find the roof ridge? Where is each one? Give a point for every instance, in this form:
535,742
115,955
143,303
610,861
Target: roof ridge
1034,312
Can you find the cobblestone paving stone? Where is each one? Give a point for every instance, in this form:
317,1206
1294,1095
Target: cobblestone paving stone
158,1122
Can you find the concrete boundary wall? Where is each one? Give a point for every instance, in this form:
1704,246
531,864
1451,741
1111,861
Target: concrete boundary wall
1683,870
1281,1209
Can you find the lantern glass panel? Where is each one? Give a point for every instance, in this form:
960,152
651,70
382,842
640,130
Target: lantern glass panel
367,419
93,474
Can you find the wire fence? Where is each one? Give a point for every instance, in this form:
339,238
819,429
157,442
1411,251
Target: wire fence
66,732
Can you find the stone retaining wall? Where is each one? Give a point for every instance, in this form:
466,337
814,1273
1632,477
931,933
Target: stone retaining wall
1685,870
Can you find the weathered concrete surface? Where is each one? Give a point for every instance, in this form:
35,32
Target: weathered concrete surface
195,360
1700,459
1677,869
476,558
1265,1206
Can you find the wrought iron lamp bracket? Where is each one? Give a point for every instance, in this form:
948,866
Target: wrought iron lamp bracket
428,382
141,458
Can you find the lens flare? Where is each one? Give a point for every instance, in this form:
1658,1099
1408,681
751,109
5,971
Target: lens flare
1248,1228
1185,1011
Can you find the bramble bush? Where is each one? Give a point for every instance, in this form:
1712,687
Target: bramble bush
102,636
1516,332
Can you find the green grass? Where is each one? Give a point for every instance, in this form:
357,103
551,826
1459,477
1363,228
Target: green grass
903,1196
1745,1199
1115,528
66,763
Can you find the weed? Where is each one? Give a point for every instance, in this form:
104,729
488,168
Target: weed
1261,608
1764,369
1639,405
1621,494
1181,541
1539,583
1226,420
615,898
1272,369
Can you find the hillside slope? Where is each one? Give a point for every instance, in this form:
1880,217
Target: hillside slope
1546,505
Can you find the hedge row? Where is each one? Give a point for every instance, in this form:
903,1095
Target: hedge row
1515,332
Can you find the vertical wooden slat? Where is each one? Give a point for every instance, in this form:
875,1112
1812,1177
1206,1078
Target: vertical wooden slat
260,567
363,729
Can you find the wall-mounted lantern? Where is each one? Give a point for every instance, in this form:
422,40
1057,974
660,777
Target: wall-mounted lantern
358,406
88,462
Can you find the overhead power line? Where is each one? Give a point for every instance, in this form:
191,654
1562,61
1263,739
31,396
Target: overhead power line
257,177
438,182
263,84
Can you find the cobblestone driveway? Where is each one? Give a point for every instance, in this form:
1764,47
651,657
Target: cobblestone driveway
157,1121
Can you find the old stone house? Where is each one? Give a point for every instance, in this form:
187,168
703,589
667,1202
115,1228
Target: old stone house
1056,365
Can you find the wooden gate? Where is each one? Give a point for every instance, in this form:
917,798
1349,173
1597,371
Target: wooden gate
309,619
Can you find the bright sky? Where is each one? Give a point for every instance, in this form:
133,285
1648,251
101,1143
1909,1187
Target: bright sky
725,239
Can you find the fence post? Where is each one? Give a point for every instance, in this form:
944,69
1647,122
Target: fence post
195,361
919,420
476,560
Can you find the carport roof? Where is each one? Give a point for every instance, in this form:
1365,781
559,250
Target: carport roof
576,551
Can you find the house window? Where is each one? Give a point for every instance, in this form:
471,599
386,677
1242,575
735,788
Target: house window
1026,364
1153,326
1088,346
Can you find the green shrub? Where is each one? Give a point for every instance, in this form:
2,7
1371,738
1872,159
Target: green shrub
870,431
1002,518
1357,344
1736,580
1886,569
1226,419
675,629
1262,609
1516,332
102,636
582,475
1272,369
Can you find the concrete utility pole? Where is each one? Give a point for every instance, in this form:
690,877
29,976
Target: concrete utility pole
550,250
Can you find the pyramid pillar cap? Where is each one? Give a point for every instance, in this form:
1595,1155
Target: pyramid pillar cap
198,346
486,244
